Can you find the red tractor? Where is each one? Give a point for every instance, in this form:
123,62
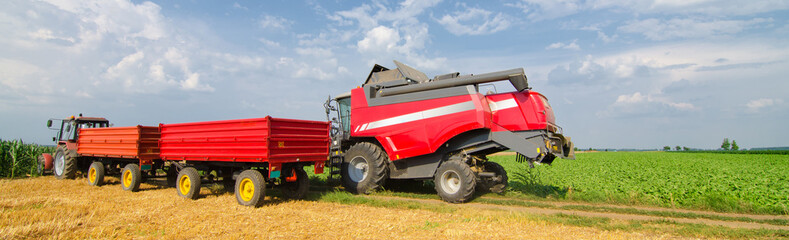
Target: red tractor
400,124
64,163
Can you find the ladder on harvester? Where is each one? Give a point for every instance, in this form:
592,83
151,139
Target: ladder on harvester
335,165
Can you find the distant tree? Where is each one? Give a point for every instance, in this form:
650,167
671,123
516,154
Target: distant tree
734,145
725,145
678,148
685,149
666,148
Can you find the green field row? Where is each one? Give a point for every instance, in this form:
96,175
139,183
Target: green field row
720,182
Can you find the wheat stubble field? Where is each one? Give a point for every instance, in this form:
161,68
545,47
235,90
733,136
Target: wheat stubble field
45,207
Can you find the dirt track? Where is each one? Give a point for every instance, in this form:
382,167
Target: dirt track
48,208
621,216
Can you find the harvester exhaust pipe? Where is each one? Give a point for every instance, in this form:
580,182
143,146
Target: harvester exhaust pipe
516,77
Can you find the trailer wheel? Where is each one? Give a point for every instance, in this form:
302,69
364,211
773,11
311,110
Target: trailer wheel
364,169
188,183
227,179
250,188
455,181
96,174
65,163
130,177
496,185
297,188
172,175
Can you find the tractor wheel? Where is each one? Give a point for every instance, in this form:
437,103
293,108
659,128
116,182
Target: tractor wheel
496,184
188,185
455,181
65,163
96,174
364,169
172,175
250,188
130,177
296,188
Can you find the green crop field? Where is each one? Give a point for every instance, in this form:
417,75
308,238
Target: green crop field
710,181
19,159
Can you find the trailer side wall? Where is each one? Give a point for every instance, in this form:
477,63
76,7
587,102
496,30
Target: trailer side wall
246,140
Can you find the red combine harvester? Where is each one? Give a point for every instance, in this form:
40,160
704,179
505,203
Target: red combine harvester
402,125
398,125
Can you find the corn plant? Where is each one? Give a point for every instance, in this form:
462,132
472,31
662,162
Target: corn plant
20,159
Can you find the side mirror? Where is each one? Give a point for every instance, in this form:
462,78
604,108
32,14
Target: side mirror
53,139
49,123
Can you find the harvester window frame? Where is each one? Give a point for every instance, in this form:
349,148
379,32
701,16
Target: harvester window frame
345,113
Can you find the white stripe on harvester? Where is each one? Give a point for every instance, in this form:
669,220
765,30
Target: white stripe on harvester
503,104
430,113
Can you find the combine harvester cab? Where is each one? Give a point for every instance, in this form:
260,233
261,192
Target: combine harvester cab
402,125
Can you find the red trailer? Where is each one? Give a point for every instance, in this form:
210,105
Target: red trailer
110,148
254,152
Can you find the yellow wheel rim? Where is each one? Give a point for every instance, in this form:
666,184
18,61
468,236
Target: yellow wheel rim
92,175
246,189
185,184
127,179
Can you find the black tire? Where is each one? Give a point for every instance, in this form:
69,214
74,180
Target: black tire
497,185
455,182
172,175
188,184
297,189
96,174
250,188
65,163
130,177
364,169
227,179
41,164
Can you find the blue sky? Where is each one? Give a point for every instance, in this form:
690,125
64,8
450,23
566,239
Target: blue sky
619,74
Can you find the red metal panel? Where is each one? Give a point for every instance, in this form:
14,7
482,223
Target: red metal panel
518,111
415,128
120,142
246,140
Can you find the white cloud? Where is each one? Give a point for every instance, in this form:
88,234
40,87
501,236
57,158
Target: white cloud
269,43
379,39
605,38
657,29
275,22
758,104
649,105
383,33
315,52
475,21
239,6
559,45
630,99
539,10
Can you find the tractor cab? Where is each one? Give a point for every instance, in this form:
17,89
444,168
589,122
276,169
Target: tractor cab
68,129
